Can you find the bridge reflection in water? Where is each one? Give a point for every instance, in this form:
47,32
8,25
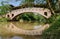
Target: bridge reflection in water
13,29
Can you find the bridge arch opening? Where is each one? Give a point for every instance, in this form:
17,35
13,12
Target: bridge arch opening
24,15
30,16
8,16
12,15
45,13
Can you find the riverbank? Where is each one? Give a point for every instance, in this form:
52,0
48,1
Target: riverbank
3,19
53,32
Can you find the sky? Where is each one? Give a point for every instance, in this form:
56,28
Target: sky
14,3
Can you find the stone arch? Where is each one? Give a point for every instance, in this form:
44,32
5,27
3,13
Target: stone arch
40,11
23,13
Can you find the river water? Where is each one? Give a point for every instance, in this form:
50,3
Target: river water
23,25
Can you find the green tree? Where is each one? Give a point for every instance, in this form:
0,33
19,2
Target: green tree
54,5
28,3
53,32
4,8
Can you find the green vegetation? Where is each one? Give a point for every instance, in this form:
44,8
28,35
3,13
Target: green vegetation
3,19
52,19
29,16
53,32
28,3
4,9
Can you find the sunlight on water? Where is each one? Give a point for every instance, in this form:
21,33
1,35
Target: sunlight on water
17,37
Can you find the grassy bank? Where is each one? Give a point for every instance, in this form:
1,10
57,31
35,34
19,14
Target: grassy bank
54,31
3,19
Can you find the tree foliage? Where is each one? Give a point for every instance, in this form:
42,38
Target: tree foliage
53,32
4,8
54,5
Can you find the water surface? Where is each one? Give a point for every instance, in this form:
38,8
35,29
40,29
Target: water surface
5,34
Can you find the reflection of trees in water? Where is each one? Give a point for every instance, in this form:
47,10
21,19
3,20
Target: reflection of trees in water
7,33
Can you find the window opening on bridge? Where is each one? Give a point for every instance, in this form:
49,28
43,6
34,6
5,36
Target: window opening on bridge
12,15
7,15
45,13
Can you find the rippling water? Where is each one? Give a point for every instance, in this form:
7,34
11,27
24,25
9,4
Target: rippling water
5,34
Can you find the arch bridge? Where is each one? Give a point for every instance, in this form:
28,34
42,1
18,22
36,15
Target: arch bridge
42,11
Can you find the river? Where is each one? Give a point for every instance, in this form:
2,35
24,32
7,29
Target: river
6,34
